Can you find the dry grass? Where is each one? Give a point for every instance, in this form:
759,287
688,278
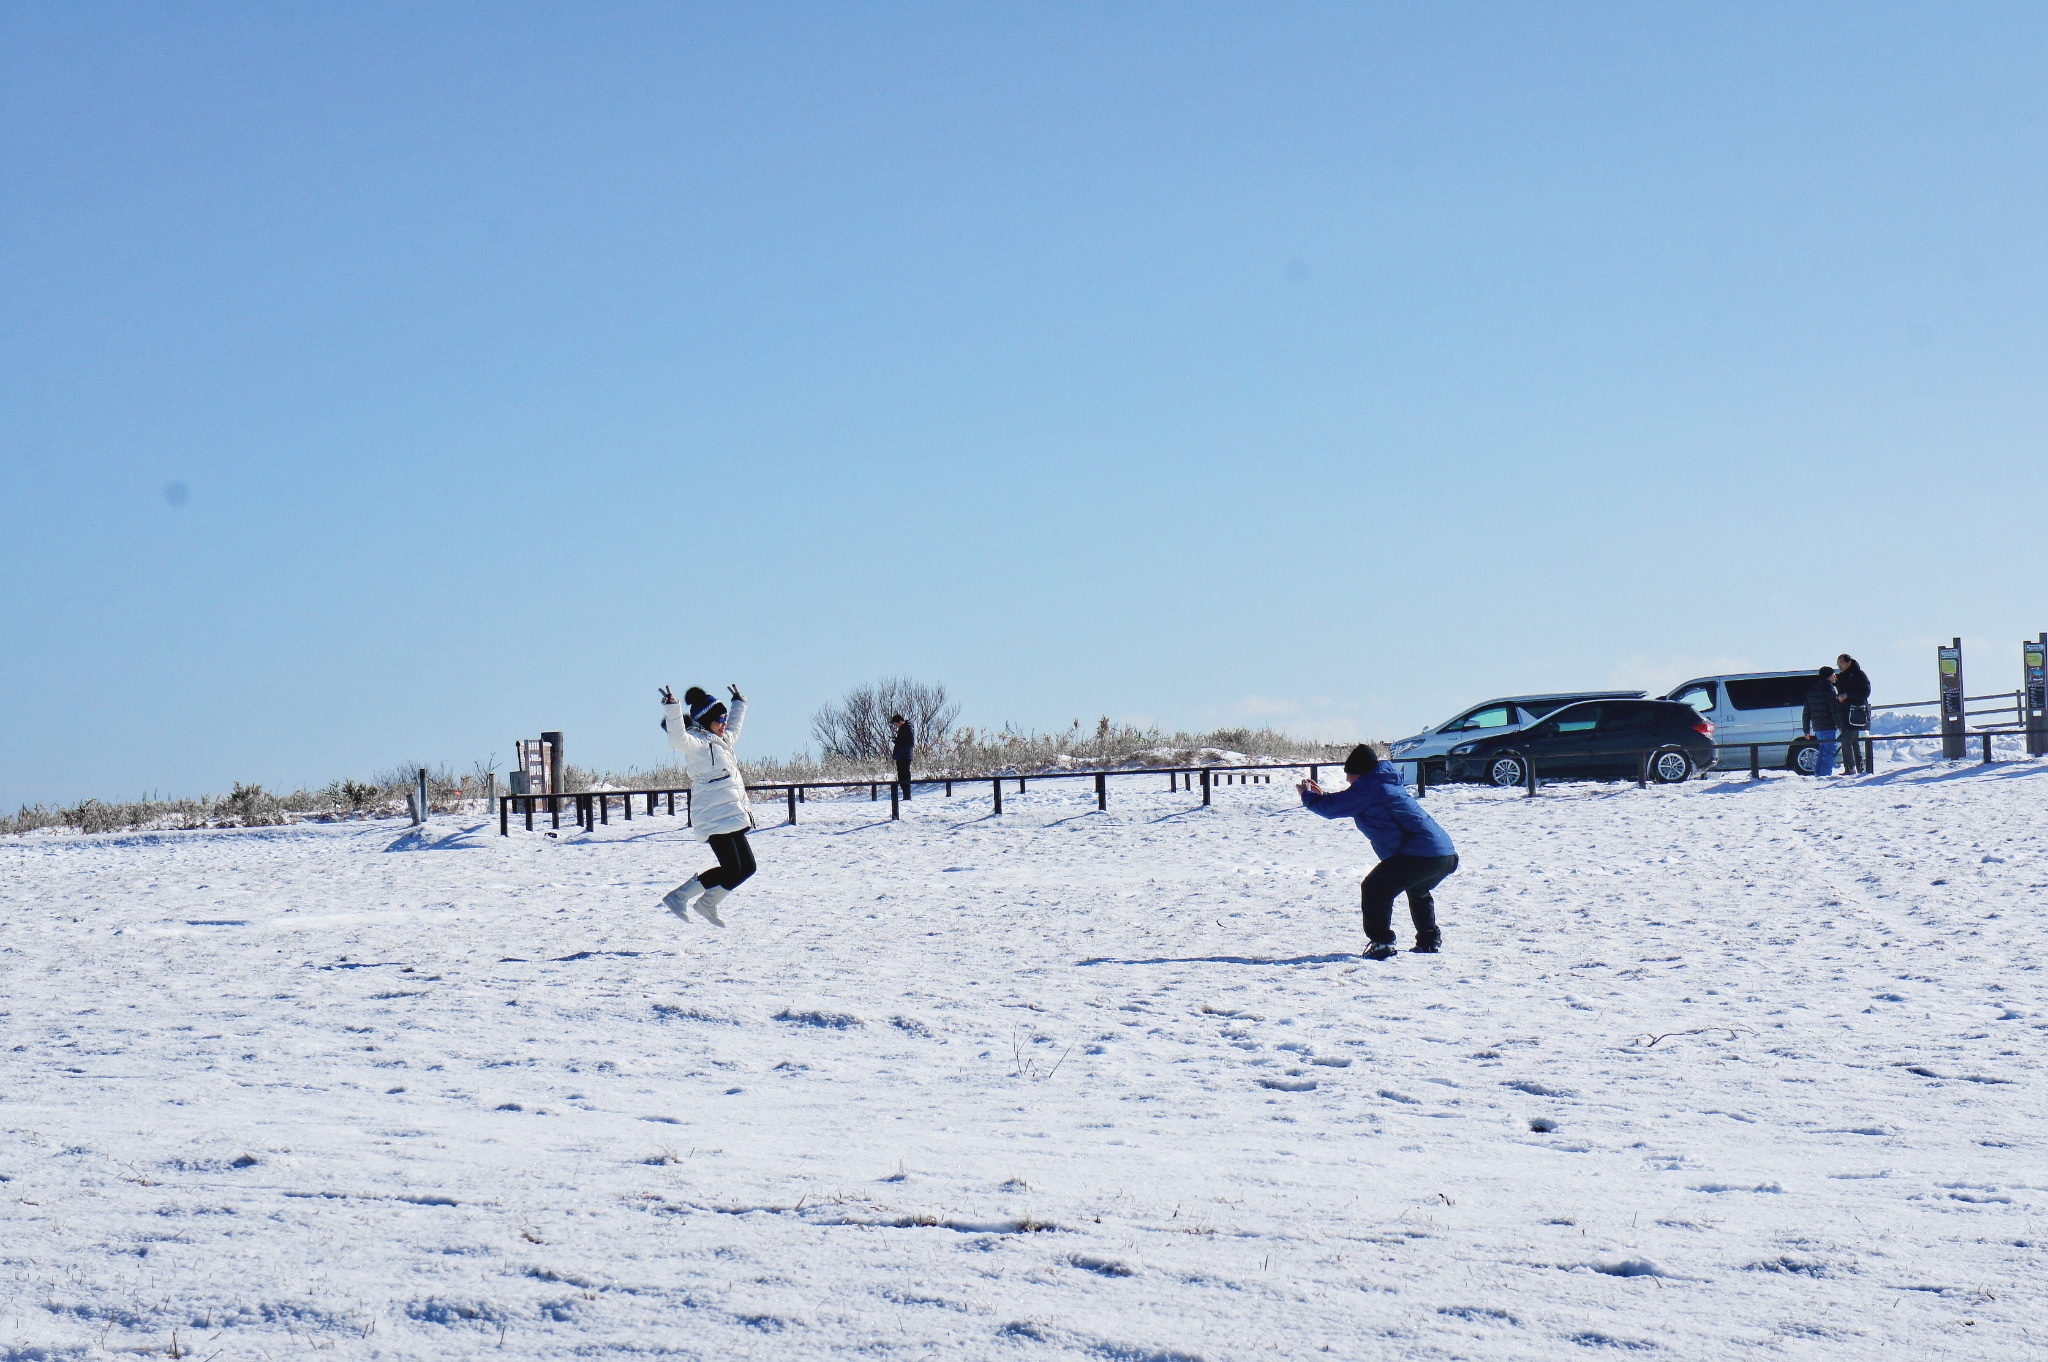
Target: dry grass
248,806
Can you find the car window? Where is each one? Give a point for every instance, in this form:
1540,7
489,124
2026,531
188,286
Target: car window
1493,716
1769,692
1700,697
1579,719
1627,718
1536,709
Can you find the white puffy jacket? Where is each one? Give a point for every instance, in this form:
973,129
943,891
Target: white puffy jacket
718,792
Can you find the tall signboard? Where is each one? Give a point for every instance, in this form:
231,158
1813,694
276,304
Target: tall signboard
2034,664
535,763
1950,660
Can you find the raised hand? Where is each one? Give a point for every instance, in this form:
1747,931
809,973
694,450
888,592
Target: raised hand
668,697
735,691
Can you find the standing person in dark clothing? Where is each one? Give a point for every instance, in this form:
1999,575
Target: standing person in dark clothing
1853,686
1415,854
906,742
1822,718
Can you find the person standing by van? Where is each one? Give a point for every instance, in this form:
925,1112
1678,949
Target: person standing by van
1822,719
906,744
1853,686
1415,854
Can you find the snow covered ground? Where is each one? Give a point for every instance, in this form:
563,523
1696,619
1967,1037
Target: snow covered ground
1063,1084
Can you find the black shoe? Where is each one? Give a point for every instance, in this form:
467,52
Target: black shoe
1380,950
1427,945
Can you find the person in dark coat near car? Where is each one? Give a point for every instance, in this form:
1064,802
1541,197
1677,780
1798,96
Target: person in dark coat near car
1415,854
906,743
1822,718
1852,684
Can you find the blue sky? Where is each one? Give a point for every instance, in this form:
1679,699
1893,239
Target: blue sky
1190,364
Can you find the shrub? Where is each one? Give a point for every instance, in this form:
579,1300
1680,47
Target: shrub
857,728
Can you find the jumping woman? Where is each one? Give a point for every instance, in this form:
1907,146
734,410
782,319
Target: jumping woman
1415,854
719,812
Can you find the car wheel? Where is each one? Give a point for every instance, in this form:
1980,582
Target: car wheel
1507,770
1803,756
1670,765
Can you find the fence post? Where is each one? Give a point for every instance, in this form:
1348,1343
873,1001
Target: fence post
1208,780
555,810
997,783
558,771
690,807
1756,770
423,796
895,802
505,817
1642,770
604,810
949,789
1987,749
1101,790
529,813
1422,780
1869,756
1529,772
1020,785
626,802
671,803
792,804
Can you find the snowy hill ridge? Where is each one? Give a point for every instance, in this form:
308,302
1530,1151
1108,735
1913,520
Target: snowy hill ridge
1707,1071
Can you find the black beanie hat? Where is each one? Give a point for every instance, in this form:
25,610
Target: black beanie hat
1362,760
704,711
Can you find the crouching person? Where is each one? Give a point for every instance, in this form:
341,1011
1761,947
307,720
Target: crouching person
1415,854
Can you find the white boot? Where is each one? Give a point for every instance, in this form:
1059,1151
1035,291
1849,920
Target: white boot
678,899
707,905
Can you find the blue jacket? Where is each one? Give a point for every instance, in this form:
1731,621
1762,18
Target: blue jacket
1386,813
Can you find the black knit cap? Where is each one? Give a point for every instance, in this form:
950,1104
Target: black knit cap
1362,760
704,711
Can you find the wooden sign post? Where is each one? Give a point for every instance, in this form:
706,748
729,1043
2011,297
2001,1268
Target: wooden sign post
2034,665
1953,734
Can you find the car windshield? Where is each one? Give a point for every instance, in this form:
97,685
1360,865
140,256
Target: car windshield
1700,697
1493,716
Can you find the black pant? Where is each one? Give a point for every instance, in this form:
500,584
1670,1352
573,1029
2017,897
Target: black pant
735,861
1851,740
1414,876
903,775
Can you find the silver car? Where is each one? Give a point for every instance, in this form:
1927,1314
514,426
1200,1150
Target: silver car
1495,716
1764,708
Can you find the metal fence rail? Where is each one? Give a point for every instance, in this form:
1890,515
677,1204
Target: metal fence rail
592,808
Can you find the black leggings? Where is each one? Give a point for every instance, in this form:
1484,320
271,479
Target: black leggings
1414,876
735,861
